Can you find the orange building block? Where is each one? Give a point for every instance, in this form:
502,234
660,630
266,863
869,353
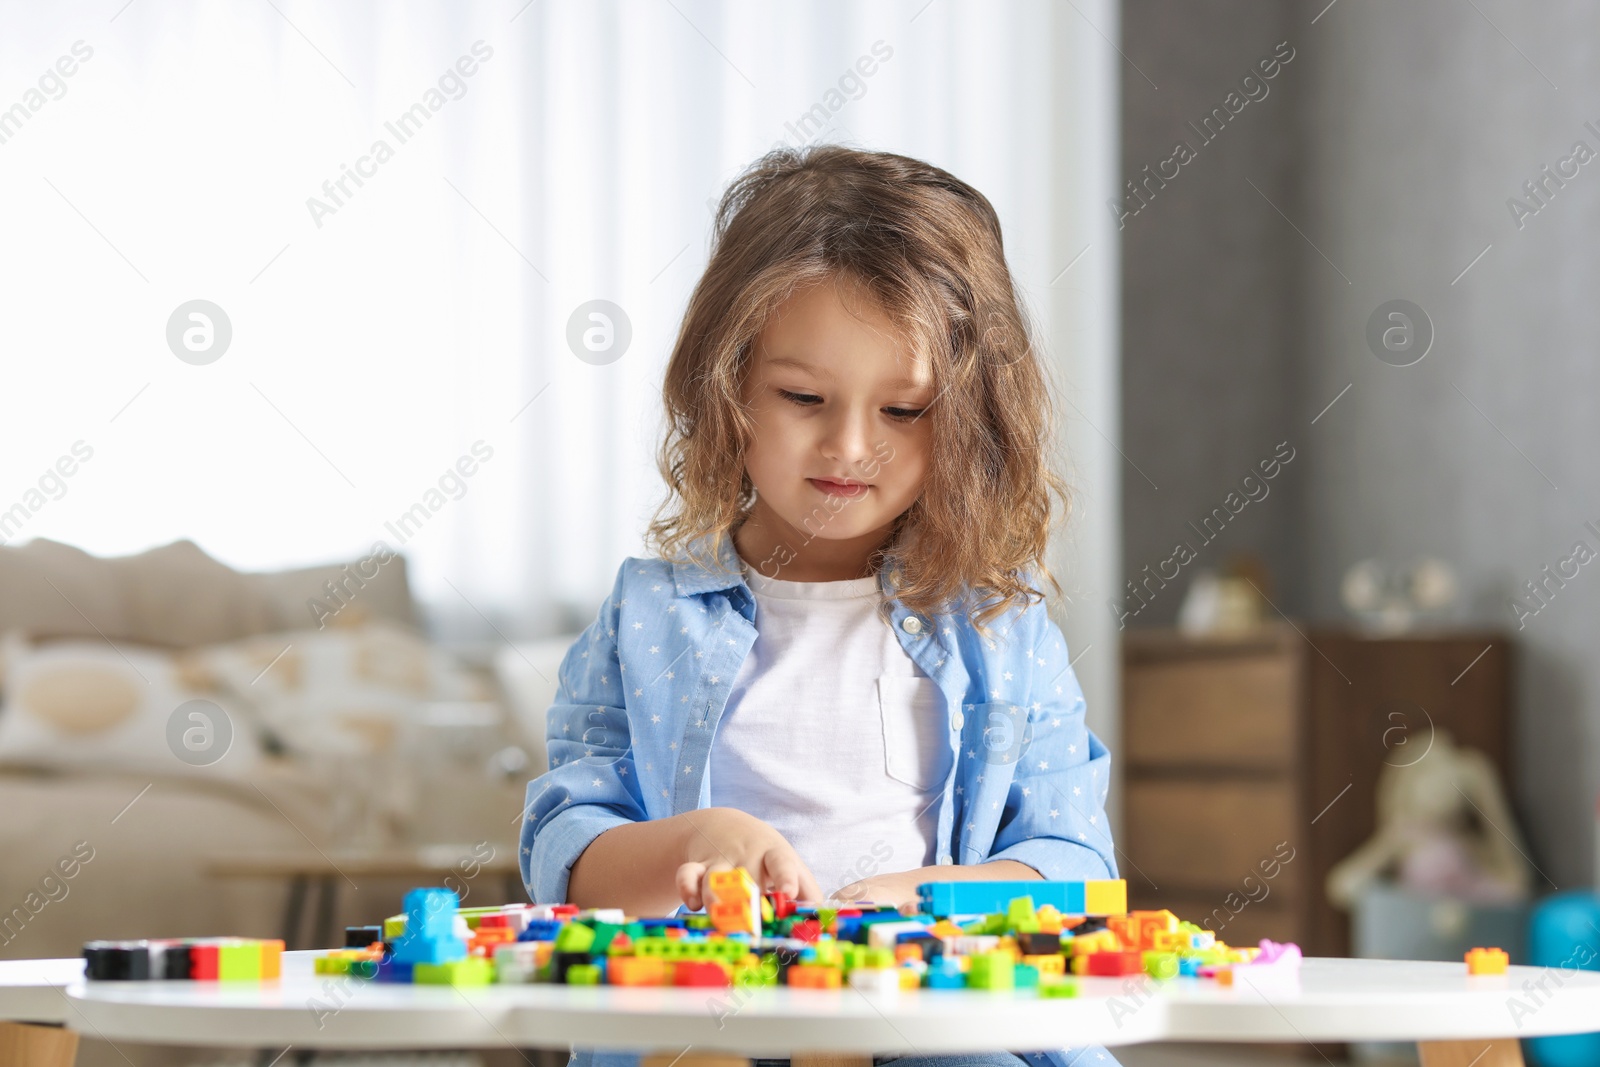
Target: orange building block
272,959
813,976
1487,961
636,970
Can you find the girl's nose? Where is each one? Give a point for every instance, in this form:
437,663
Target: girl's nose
848,439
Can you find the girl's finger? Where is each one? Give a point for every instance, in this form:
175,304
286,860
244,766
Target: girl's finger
780,869
689,880
809,889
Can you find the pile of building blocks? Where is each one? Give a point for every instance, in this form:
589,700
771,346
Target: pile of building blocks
205,959
1033,936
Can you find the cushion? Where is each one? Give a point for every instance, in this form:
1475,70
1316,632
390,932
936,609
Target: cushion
73,705
177,596
350,688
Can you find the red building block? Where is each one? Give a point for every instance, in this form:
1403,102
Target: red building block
1116,963
699,973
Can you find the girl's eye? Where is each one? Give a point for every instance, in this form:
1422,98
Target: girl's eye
807,399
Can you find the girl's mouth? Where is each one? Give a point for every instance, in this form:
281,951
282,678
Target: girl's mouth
839,488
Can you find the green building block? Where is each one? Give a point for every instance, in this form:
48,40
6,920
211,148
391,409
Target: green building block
393,927
991,970
877,957
1161,964
604,935
471,971
574,937
363,968
1057,987
239,962
830,953
583,974
1025,976
1020,916
325,965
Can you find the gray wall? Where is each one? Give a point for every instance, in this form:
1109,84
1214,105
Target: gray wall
1211,374
1393,142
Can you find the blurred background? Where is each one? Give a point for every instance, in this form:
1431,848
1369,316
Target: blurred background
333,342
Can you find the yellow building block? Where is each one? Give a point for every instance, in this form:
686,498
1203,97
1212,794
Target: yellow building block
1055,964
1106,897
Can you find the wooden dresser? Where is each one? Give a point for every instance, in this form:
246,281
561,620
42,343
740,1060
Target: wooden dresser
1250,763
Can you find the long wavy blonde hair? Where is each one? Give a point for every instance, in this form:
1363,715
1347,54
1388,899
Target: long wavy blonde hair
927,246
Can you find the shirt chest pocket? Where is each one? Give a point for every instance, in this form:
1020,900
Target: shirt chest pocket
916,748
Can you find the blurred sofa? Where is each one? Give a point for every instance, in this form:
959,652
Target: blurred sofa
325,686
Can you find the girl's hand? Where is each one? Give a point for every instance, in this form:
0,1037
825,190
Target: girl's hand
897,889
720,839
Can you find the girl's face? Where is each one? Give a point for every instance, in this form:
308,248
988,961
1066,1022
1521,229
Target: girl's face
837,395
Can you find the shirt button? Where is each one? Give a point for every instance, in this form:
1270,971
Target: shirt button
944,861
959,720
911,624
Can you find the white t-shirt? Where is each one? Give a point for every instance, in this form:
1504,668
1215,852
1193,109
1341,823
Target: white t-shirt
832,734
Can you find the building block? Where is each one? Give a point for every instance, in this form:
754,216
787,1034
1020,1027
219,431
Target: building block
701,973
1055,964
1487,961
583,974
430,928
814,976
991,970
1160,964
467,971
203,961
881,980
362,936
117,961
272,958
637,971
575,937
944,973
1113,963
1039,944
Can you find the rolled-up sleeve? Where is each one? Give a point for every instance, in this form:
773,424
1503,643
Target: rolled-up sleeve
591,785
1055,819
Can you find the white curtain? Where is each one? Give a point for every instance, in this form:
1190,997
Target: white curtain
382,331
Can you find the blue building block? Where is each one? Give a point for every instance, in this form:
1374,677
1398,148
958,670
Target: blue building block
1104,897
944,973
540,930
430,928
391,971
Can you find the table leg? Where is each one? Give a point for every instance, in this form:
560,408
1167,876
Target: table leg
327,894
28,1045
296,906
1506,1052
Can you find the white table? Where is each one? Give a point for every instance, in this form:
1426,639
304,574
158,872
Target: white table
1455,1017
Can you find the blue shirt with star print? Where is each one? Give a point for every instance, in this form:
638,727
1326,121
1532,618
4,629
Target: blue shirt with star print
641,691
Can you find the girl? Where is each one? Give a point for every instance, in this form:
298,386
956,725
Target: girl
838,674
